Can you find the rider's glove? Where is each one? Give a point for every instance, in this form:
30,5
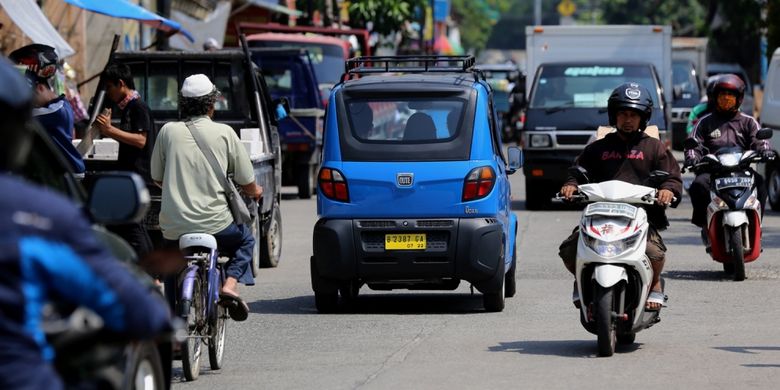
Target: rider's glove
769,154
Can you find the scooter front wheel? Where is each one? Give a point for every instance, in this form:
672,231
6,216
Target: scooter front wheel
737,251
605,322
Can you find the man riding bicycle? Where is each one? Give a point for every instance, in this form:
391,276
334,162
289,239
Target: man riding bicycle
193,198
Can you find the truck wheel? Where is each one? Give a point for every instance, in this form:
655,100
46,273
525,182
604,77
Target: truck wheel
271,248
773,189
305,178
536,195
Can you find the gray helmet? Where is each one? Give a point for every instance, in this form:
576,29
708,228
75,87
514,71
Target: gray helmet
16,110
632,96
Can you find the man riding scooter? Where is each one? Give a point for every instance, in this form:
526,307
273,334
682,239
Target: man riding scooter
726,126
629,155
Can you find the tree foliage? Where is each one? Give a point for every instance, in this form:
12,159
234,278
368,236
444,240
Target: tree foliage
687,17
476,18
387,16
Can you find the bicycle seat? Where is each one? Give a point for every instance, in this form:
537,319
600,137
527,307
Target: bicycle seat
197,239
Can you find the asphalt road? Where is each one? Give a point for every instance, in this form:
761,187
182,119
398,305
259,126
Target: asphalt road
715,333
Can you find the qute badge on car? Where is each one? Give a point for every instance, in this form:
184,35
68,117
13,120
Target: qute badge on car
404,179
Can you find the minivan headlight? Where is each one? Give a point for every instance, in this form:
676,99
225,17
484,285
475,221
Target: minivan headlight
540,141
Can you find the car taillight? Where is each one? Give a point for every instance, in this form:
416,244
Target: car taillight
333,184
478,184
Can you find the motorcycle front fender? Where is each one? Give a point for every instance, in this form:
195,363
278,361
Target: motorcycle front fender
608,275
735,218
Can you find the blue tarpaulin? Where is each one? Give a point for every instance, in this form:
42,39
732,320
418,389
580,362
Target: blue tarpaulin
126,10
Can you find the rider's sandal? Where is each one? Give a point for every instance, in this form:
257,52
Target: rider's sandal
236,307
656,297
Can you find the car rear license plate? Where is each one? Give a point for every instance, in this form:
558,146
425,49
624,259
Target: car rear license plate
405,241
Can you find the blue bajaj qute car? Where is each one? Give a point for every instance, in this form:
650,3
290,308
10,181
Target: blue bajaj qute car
413,191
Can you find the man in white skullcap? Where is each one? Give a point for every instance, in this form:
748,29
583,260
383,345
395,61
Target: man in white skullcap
193,198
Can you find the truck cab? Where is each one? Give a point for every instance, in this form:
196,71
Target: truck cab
289,73
567,104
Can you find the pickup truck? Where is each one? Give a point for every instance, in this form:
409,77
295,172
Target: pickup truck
289,73
248,109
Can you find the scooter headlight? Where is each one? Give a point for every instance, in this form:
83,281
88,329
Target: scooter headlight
611,248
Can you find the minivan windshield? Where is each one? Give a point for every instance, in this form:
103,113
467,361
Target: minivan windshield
586,86
684,77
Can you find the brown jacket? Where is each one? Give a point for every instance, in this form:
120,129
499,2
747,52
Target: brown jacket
716,131
612,158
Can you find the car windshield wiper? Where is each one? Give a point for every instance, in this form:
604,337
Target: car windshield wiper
560,107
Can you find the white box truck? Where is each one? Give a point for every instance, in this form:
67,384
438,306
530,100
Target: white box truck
571,72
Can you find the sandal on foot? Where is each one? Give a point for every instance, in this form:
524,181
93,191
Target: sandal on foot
656,297
236,307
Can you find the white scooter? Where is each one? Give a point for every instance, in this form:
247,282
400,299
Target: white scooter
613,273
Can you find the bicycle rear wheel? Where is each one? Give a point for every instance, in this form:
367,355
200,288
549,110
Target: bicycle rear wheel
194,317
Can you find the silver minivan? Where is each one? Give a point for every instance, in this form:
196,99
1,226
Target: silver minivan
770,117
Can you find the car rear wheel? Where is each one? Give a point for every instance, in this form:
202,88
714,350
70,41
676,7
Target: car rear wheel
305,176
773,189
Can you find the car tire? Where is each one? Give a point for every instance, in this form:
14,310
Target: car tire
144,368
271,250
773,188
510,283
494,300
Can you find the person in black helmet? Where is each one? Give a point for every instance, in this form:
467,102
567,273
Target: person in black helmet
49,254
726,126
53,111
629,155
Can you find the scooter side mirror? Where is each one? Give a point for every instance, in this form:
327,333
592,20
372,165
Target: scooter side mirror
765,133
657,177
579,173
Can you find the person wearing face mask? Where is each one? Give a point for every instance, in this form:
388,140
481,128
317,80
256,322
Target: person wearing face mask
725,127
629,155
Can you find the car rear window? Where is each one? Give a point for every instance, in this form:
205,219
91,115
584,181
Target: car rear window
403,128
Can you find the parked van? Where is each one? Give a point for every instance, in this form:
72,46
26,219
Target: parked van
770,117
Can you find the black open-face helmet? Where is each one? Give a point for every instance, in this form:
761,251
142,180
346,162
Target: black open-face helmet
727,82
16,129
630,96
40,60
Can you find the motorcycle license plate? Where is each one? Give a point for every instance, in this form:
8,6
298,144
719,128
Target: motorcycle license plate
405,241
728,182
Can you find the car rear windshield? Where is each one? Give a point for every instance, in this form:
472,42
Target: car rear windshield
587,86
422,128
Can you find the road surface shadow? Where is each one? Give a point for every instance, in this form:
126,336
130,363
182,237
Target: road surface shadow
761,365
378,304
748,350
694,240
562,348
708,275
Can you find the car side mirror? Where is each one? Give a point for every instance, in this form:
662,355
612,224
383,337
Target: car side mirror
515,159
579,173
118,198
765,133
282,107
690,143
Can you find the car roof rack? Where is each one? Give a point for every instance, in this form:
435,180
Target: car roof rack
409,64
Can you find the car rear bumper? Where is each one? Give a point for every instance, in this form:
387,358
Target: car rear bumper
469,249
